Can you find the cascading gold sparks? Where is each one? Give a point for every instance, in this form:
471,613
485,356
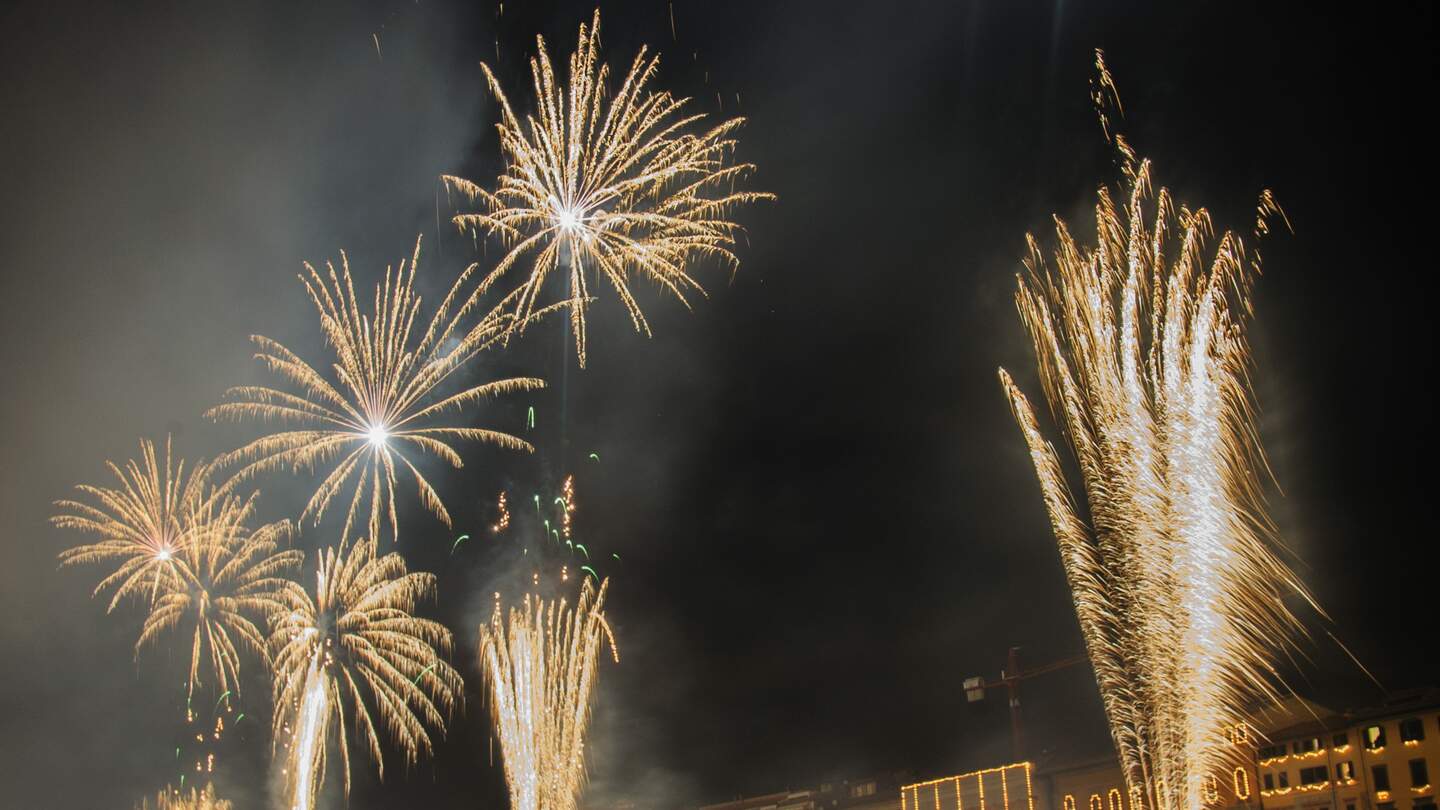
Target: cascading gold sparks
1143,358
357,642
541,670
611,184
230,581
383,399
174,799
140,523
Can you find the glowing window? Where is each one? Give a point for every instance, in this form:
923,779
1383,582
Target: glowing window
1411,730
1068,803
1117,802
1345,771
1242,784
1374,737
1095,802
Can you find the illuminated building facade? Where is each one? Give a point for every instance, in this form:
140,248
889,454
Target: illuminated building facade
1378,759
1092,784
1296,755
1302,757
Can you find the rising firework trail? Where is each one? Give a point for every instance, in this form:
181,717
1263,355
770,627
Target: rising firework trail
355,643
1143,359
540,665
610,183
386,396
140,523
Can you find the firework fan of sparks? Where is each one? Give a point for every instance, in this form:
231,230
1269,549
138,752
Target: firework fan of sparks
229,582
385,397
173,799
1143,357
541,669
356,642
140,523
615,184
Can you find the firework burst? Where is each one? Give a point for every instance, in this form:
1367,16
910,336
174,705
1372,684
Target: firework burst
357,642
541,669
385,398
1143,357
611,183
140,523
227,579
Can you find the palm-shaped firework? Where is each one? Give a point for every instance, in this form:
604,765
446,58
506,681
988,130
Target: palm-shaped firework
140,522
356,641
612,184
384,397
230,582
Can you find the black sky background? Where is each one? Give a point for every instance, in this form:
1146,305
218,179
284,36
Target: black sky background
824,514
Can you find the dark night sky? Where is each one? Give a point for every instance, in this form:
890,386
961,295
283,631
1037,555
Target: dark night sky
825,515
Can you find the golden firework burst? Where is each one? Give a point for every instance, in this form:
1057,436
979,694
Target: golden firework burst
541,669
614,184
1143,357
230,582
356,641
385,396
140,523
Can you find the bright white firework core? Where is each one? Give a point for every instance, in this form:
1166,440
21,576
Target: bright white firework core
164,554
567,218
377,434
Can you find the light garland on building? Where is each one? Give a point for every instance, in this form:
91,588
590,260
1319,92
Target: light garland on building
1241,781
910,794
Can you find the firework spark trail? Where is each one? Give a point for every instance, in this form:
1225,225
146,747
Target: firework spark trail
1143,359
613,183
357,642
503,521
140,523
307,762
385,399
541,669
567,505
